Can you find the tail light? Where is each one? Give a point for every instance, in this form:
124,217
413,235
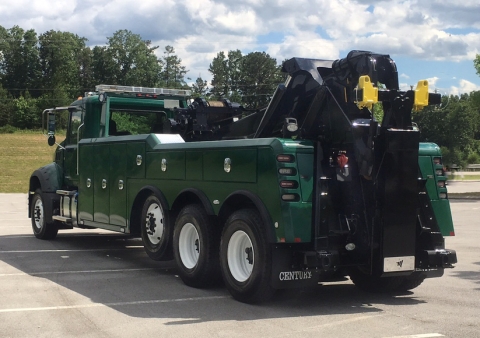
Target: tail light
290,197
285,158
289,184
287,171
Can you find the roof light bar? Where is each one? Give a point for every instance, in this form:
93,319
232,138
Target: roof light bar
141,90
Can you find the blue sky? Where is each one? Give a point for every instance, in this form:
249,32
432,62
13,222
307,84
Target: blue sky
429,39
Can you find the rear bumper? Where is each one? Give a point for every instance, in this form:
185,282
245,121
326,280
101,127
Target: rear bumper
433,259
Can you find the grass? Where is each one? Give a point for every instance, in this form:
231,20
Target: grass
459,177
20,155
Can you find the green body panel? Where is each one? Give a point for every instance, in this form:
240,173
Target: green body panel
194,169
117,184
174,167
85,203
443,214
428,169
254,169
243,167
101,183
134,150
297,216
429,149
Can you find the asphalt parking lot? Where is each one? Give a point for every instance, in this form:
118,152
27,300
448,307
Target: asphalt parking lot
100,284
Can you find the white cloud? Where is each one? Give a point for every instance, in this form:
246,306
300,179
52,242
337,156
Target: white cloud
306,45
432,81
446,30
464,86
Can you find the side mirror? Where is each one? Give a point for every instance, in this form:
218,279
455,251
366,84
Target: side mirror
51,128
51,140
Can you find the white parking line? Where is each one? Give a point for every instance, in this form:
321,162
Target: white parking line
422,335
130,247
83,306
74,272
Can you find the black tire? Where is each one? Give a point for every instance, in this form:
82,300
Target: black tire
41,229
246,258
373,282
155,228
195,247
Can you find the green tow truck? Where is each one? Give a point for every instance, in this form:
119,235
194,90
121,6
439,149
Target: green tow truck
310,189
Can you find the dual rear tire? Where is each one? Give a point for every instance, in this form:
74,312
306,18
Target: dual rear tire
246,258
241,255
195,247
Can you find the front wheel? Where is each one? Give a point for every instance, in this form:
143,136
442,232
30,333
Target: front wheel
41,229
246,258
195,247
155,228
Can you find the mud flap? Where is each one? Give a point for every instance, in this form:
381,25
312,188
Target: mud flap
285,275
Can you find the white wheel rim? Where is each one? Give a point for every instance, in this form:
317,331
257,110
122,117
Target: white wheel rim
189,245
240,256
38,214
155,223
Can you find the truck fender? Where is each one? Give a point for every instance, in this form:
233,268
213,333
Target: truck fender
48,179
244,198
153,189
191,194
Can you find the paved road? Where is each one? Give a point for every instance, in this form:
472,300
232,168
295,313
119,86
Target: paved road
95,284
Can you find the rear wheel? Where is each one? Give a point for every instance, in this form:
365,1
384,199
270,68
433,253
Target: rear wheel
245,258
195,246
155,228
41,229
411,282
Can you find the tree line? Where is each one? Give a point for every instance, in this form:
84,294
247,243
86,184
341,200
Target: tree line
53,68
50,69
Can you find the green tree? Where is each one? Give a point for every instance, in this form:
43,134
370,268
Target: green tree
173,73
20,67
25,113
61,62
102,69
249,79
476,64
129,60
6,107
218,69
453,127
259,77
226,75
200,88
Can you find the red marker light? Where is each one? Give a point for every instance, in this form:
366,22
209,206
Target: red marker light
342,160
